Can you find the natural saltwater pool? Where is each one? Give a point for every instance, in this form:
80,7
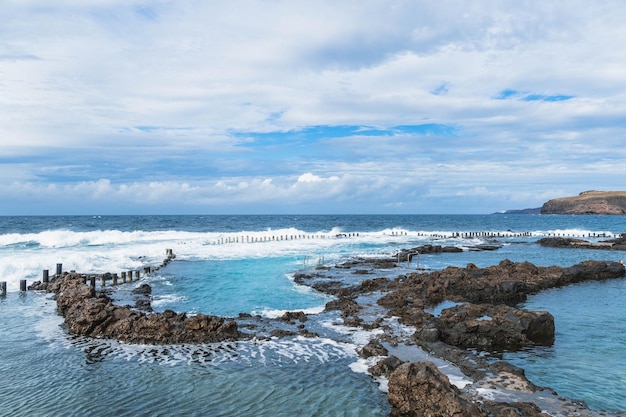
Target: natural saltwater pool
231,264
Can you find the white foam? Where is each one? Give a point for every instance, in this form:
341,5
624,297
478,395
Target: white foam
400,329
458,381
273,313
487,393
25,255
358,335
160,300
266,352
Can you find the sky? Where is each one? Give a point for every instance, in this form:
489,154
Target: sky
308,107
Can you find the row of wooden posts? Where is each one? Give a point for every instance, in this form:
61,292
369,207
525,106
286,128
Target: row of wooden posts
257,239
125,276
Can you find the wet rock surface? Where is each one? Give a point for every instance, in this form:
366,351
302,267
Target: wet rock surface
618,243
420,389
489,327
89,313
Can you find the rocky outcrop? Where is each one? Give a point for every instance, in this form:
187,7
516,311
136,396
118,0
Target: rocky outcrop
407,254
566,242
588,202
486,319
419,389
508,282
489,327
93,314
373,348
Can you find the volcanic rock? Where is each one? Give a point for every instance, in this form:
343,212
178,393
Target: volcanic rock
90,314
420,389
489,327
373,348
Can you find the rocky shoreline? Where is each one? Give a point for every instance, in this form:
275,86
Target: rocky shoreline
480,317
565,242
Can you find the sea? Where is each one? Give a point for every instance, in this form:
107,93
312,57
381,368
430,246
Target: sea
231,264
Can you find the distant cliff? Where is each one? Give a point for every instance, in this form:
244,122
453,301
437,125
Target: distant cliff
588,202
535,210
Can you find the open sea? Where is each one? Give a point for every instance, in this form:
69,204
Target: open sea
230,264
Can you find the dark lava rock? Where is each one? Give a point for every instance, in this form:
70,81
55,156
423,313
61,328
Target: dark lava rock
373,348
489,327
143,297
291,316
87,314
420,389
385,366
508,282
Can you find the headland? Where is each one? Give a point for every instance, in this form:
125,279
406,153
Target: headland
588,202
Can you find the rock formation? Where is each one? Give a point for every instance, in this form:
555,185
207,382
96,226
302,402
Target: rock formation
566,242
588,202
489,327
419,389
482,318
93,314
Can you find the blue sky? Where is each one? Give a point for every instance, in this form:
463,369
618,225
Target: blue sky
288,106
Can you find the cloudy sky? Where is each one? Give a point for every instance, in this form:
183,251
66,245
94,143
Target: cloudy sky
312,106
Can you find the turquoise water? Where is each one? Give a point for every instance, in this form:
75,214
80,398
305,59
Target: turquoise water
218,271
227,287
587,359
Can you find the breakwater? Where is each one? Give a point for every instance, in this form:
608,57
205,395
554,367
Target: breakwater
92,279
434,235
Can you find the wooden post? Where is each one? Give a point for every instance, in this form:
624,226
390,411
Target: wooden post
3,288
46,276
137,275
59,269
130,276
23,285
92,281
146,270
102,280
123,277
114,279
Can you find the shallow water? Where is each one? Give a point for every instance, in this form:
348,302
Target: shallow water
53,374
587,358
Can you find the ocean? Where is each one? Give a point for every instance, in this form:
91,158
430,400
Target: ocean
226,265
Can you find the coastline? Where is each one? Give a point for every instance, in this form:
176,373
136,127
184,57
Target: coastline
501,386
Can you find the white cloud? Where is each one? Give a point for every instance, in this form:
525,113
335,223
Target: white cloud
155,97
